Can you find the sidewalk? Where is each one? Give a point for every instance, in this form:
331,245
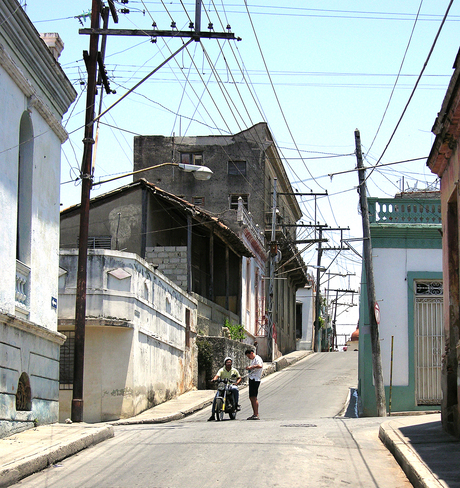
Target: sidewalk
30,451
429,456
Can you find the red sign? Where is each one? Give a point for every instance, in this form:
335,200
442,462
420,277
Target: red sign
377,313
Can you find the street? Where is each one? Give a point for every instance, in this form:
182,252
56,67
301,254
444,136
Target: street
300,441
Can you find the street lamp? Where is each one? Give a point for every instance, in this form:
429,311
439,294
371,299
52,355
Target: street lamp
201,173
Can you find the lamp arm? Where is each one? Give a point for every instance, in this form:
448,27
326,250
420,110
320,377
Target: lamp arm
136,172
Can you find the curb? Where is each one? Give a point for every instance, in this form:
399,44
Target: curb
285,361
415,469
17,470
165,418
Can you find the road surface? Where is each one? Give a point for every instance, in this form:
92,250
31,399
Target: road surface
301,440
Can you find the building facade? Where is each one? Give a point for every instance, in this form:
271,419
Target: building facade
34,95
139,341
187,244
246,167
444,160
407,259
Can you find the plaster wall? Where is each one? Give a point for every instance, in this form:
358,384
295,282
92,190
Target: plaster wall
33,88
391,287
135,350
13,104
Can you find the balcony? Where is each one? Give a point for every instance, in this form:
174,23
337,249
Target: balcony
244,218
22,292
414,209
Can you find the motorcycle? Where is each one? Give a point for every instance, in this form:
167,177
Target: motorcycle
224,400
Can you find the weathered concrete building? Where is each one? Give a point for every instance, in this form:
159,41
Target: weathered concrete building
140,336
34,95
245,167
444,160
188,245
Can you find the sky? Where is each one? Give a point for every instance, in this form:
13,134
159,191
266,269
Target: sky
314,71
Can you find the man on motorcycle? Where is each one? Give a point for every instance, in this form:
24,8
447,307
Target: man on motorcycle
230,373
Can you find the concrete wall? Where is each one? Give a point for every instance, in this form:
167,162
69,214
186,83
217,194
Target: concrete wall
135,353
222,347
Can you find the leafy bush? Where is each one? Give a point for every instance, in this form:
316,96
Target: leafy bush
236,331
204,356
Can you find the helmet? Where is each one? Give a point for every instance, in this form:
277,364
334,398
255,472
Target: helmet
227,358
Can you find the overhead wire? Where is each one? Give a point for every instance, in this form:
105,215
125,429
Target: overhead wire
397,77
415,87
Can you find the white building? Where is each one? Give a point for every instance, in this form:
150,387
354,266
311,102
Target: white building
139,341
305,298
34,95
407,259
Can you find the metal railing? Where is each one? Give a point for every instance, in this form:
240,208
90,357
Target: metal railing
244,218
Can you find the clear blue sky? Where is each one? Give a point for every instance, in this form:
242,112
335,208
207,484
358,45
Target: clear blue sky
315,71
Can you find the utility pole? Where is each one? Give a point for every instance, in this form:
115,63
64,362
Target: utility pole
93,60
372,302
273,254
86,177
317,347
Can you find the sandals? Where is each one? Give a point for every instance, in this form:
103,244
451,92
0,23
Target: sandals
253,417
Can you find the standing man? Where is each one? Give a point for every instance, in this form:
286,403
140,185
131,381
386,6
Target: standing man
255,375
230,373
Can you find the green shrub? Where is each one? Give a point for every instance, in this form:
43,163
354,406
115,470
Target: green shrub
204,356
236,331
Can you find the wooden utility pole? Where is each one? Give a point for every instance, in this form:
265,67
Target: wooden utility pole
317,346
93,60
86,178
374,318
273,254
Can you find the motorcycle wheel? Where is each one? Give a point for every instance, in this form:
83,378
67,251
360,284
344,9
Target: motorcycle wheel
232,415
219,409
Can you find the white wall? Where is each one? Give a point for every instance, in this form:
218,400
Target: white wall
135,351
390,272
305,296
32,85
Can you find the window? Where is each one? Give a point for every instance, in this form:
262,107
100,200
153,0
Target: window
198,201
24,394
234,201
237,168
188,321
66,361
191,158
24,195
99,242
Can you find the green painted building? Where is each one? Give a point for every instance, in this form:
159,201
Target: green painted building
407,258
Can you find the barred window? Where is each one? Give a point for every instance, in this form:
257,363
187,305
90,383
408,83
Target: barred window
66,361
98,242
428,288
198,201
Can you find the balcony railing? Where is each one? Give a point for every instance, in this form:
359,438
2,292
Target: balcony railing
245,218
404,210
22,294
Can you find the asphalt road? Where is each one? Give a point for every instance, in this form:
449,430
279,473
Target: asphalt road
300,441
